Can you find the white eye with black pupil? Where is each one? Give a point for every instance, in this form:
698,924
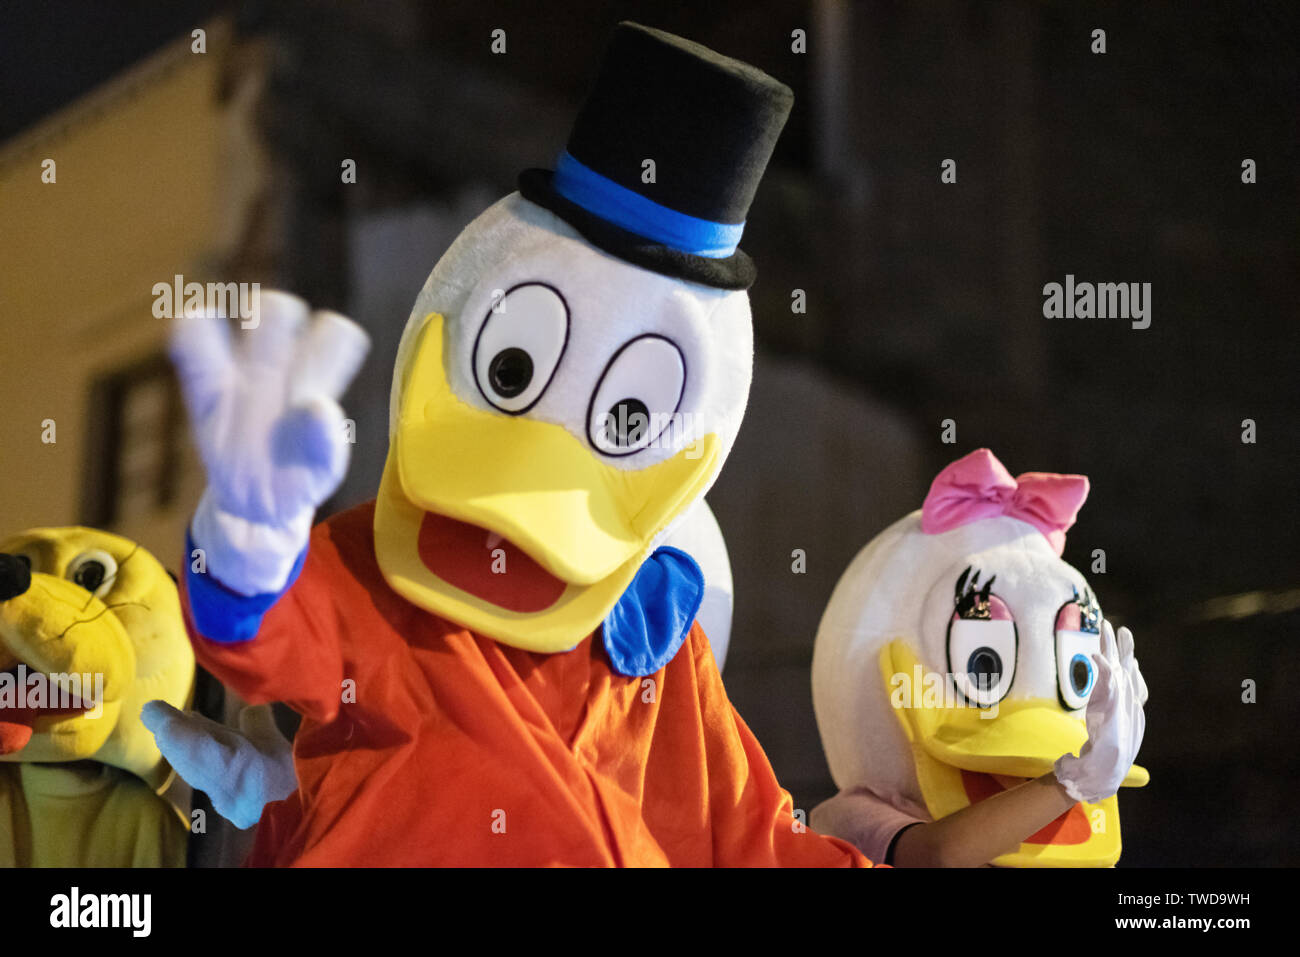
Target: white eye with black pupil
982,640
1078,638
637,395
94,571
519,346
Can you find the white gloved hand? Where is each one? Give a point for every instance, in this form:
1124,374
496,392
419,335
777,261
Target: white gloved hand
1115,723
240,771
269,429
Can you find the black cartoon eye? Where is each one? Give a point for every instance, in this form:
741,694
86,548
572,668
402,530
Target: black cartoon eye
519,346
982,641
1078,638
94,571
510,372
637,395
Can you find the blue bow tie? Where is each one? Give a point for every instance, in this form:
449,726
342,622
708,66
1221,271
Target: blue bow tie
651,620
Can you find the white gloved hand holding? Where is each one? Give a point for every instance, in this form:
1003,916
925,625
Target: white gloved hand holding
269,429
1115,723
240,771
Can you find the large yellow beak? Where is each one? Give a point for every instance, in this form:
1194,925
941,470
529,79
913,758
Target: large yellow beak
587,523
1020,738
1017,739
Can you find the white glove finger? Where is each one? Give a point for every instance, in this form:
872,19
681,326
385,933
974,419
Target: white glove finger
1138,681
1128,666
1137,713
1130,722
328,358
271,339
1103,688
1101,703
1108,644
257,722
192,744
156,715
1119,678
1125,645
310,435
200,351
1123,682
160,717
1140,732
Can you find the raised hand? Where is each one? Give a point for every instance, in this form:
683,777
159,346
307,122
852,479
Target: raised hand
267,423
1115,723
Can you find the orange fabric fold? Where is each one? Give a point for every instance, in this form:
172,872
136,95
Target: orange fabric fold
425,744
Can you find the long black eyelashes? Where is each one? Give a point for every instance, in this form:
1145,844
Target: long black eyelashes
1089,609
971,600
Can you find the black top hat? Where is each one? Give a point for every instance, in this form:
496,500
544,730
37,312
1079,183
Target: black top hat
709,124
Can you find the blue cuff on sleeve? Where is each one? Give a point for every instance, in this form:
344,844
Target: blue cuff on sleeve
225,616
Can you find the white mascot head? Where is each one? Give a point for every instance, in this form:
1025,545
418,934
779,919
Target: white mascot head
954,658
574,372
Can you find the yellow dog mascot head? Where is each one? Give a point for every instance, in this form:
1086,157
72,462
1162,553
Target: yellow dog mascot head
90,629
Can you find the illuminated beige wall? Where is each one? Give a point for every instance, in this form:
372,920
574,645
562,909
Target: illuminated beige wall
153,177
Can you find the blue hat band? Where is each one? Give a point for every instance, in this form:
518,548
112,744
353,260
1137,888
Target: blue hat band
628,210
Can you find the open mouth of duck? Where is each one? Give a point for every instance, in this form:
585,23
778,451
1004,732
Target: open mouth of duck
486,565
1071,827
17,721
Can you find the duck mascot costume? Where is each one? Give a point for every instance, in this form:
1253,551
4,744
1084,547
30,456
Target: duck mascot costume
973,704
90,629
497,661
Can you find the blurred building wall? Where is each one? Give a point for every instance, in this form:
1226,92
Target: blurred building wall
153,176
159,172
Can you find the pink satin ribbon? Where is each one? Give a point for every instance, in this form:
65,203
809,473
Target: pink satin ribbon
978,486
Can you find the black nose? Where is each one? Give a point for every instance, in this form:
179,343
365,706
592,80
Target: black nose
15,576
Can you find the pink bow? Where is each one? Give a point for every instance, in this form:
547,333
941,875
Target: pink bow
979,486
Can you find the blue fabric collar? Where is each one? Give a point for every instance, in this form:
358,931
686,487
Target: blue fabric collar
648,625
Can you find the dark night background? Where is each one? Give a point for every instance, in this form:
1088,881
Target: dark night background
924,302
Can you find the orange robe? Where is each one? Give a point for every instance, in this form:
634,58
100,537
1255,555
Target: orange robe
425,744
